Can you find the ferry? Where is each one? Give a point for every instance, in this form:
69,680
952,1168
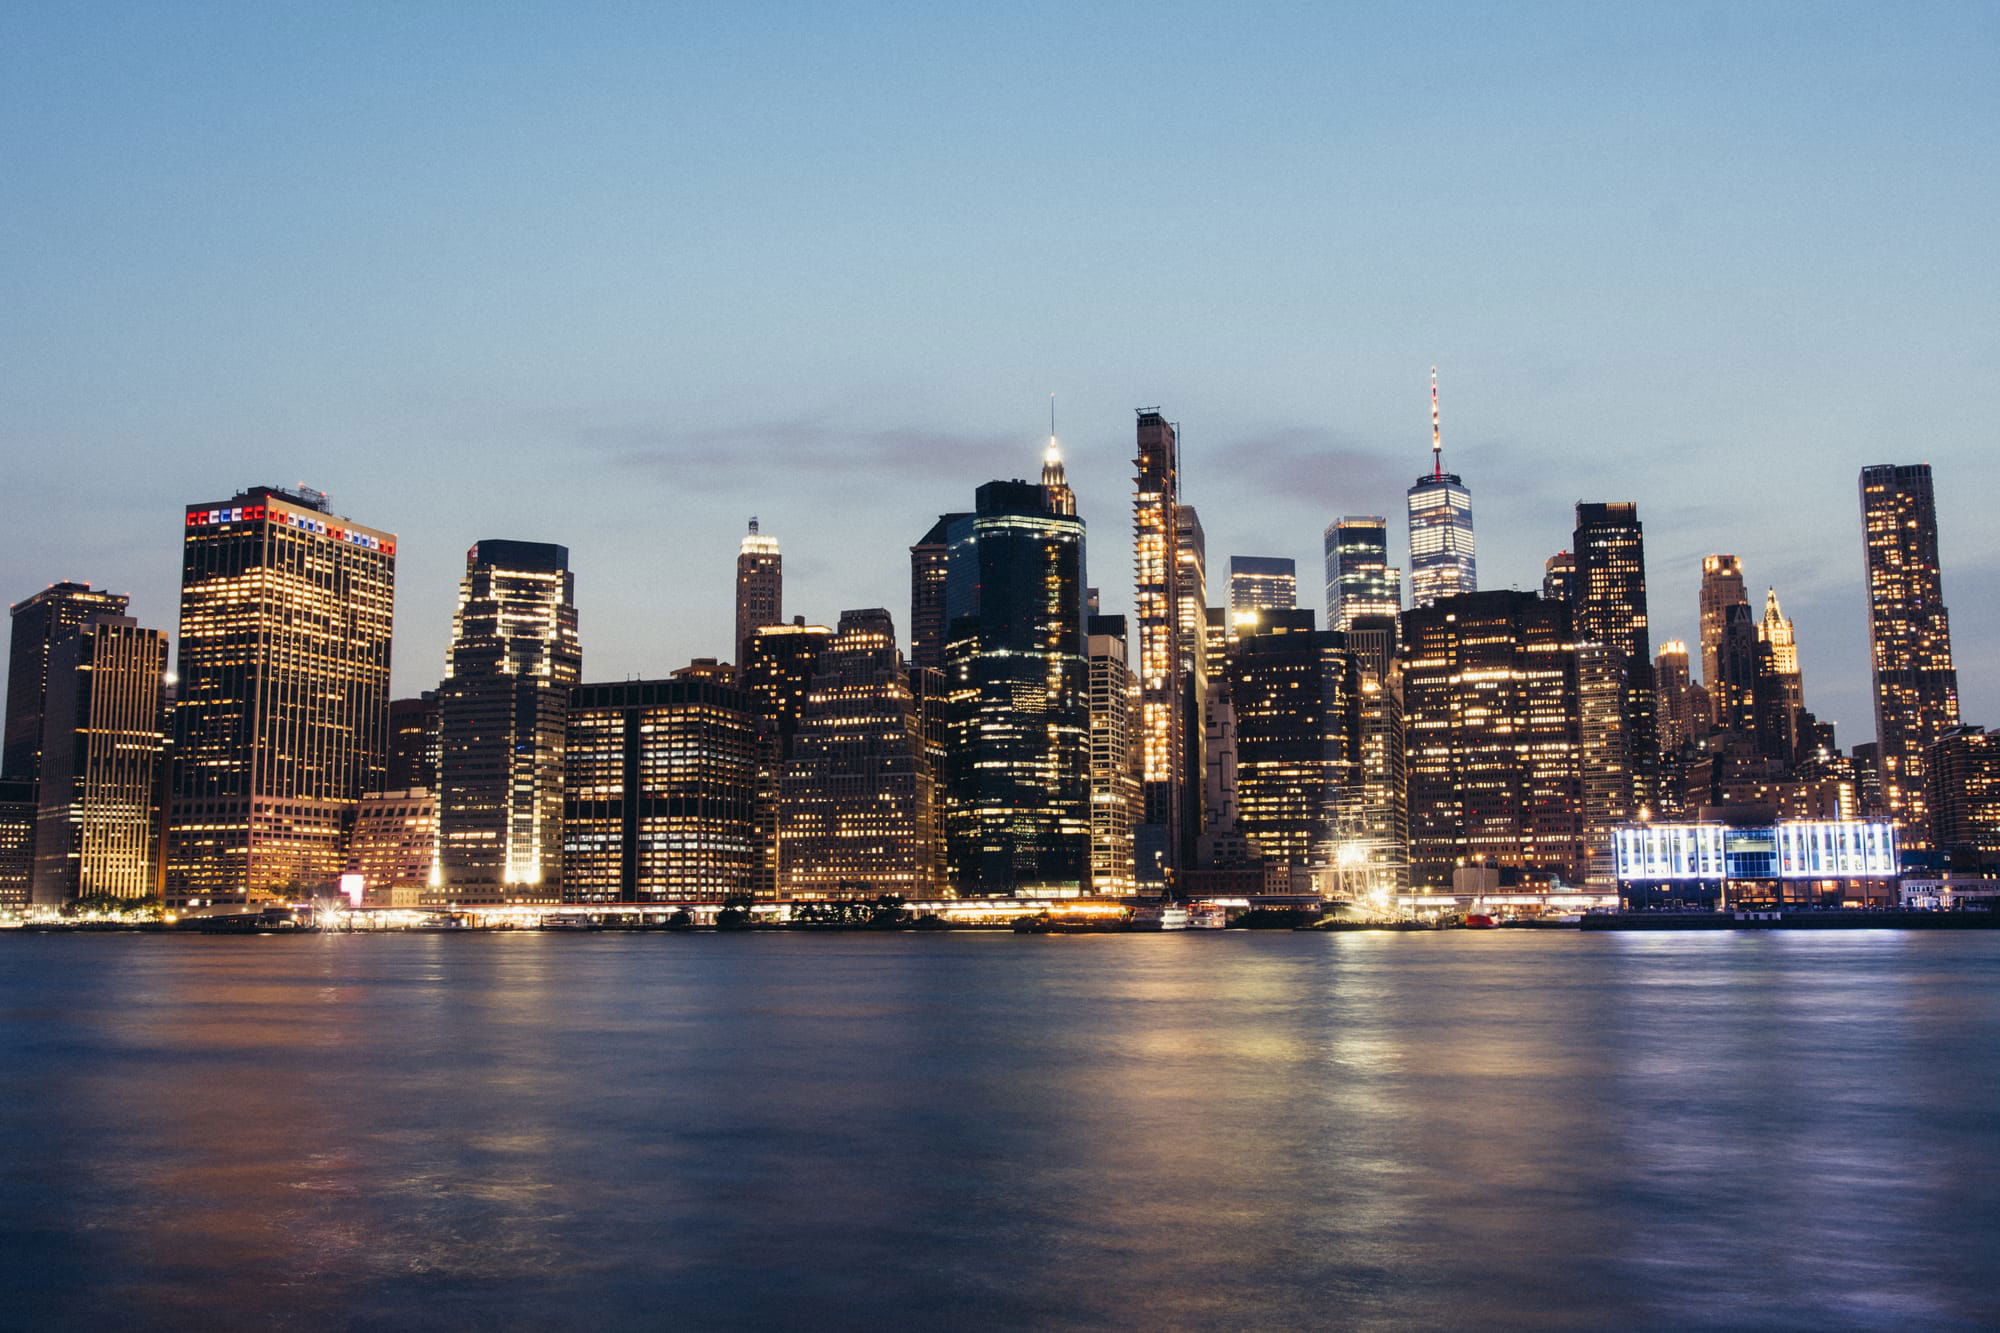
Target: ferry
1166,916
1206,916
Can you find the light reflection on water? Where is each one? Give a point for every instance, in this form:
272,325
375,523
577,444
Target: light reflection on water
1464,1129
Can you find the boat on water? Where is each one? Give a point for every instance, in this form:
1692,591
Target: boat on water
1164,916
1479,921
1206,916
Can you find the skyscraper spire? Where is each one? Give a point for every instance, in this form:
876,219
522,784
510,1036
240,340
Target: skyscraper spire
1437,435
1062,500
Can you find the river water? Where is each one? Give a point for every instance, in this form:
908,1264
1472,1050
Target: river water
978,1130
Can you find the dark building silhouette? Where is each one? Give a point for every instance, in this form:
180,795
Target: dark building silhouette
414,742
779,664
930,561
39,621
1964,773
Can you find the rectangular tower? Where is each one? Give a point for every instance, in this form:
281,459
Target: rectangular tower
1114,779
281,724
97,827
1360,581
1909,638
1262,583
38,621
1163,751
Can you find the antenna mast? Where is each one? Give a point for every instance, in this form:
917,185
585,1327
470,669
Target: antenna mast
1437,435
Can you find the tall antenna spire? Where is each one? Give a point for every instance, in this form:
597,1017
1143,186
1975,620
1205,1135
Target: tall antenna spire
1437,434
1062,500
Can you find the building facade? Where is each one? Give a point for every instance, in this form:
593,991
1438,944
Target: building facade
1262,583
282,715
780,663
1909,638
394,848
1491,719
1114,775
98,814
658,793
514,658
1296,692
857,802
1963,768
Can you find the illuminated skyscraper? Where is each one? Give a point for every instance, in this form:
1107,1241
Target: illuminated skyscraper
1909,637
1018,809
1722,588
1157,574
1297,698
1360,581
1778,696
856,804
17,841
38,621
1442,553
513,660
1114,776
1609,604
1491,714
1671,683
760,587
282,720
659,781
779,665
97,830
1262,583
1964,774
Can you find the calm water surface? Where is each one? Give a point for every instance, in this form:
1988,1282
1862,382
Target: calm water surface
1470,1129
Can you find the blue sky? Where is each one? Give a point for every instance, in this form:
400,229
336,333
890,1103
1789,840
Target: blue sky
621,276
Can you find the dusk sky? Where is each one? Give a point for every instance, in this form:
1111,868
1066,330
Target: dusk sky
621,276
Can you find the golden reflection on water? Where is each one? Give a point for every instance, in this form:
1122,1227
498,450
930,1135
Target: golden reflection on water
1441,1130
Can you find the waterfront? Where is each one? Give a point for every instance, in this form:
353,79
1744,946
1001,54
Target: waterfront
1213,1129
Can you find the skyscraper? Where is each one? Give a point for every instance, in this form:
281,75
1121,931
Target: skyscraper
513,661
659,777
1442,552
1163,748
1964,774
281,724
760,587
38,621
1778,696
780,663
97,828
856,803
1262,583
414,742
1017,813
1360,581
1297,698
930,562
1909,637
1671,683
1609,600
1721,588
1491,713
1559,577
1114,778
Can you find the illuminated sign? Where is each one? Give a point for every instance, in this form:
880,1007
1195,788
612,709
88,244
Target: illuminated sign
203,518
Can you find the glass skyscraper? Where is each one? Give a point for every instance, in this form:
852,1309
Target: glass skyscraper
513,660
1360,581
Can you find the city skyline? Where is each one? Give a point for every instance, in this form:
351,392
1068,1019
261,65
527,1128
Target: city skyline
608,361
